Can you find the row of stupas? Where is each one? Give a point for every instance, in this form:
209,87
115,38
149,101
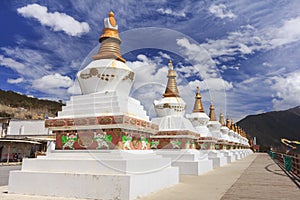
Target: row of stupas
196,129
106,146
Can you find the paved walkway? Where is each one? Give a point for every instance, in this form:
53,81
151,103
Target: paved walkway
212,185
264,179
254,177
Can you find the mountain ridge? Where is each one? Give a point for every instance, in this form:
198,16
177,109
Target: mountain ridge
270,127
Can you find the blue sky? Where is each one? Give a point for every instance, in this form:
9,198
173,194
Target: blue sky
243,54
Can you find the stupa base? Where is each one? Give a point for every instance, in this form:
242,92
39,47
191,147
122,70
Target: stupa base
229,156
94,175
190,162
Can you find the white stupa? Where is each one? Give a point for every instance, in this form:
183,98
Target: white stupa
225,141
234,141
198,117
214,127
176,137
171,108
102,138
177,131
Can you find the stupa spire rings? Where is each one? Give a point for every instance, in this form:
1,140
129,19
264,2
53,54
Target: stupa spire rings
212,114
232,125
198,102
228,122
221,120
171,89
110,41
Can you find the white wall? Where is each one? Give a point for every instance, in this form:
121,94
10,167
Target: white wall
27,127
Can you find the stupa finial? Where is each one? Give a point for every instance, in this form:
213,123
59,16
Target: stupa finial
198,103
170,65
110,41
221,120
228,122
212,114
171,89
232,125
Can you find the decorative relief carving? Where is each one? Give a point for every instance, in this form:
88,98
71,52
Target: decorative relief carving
129,76
94,72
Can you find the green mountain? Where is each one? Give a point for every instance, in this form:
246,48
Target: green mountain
20,106
269,128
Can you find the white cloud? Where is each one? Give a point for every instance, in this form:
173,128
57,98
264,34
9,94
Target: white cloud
10,63
169,11
57,21
15,81
74,89
225,67
212,84
164,55
53,81
32,62
199,57
287,90
148,71
242,42
289,32
267,64
221,11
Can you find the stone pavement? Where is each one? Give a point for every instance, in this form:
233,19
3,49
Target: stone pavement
264,179
209,186
254,177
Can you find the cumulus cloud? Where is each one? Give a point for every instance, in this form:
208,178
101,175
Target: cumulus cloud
11,63
199,57
56,21
221,11
169,11
289,32
287,90
15,81
74,89
51,82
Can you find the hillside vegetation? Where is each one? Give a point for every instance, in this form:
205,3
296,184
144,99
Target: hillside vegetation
20,106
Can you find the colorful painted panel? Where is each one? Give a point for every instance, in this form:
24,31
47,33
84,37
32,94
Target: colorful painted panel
101,139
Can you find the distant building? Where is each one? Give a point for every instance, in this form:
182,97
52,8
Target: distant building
22,138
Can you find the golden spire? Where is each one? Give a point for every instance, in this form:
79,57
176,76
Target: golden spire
232,126
198,103
236,129
221,120
228,123
171,89
110,41
212,114
241,131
